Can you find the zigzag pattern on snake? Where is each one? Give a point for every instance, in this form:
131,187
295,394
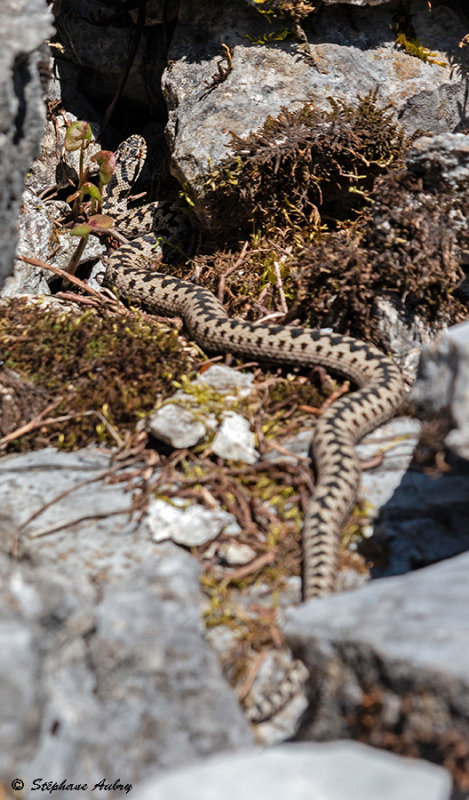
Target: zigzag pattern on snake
380,385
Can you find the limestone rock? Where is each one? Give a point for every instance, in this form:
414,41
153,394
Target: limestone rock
25,25
425,518
333,771
179,426
106,672
395,650
442,161
443,383
204,407
394,442
348,55
234,440
191,526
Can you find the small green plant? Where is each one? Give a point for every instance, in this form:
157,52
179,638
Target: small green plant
78,137
267,38
98,223
414,48
291,11
406,36
275,9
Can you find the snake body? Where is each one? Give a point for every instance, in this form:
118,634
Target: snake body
380,388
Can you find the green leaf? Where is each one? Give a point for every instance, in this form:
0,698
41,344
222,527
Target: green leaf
106,161
81,230
92,190
78,135
100,222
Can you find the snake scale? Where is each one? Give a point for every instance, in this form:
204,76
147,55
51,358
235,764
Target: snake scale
380,388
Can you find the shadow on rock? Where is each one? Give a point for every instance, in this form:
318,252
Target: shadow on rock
426,520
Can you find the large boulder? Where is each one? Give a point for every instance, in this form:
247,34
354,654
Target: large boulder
25,25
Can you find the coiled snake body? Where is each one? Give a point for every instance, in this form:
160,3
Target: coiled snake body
380,385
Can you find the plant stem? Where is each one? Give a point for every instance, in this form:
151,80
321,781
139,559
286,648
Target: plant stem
75,259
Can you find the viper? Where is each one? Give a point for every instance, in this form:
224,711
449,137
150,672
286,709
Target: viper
378,381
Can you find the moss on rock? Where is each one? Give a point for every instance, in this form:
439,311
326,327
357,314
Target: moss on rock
303,165
104,367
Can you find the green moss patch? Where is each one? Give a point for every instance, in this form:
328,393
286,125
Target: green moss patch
303,165
102,367
406,247
295,9
339,222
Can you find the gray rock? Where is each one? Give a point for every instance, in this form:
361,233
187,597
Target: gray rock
333,771
230,382
442,161
19,690
202,408
191,526
39,238
353,54
235,440
389,512
26,24
235,554
95,280
424,521
41,235
298,446
35,229
425,518
443,383
67,244
395,443
107,672
43,476
403,333
81,24
395,650
179,426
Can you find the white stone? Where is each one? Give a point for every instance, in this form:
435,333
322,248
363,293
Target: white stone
227,381
190,526
236,554
235,440
300,771
179,426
